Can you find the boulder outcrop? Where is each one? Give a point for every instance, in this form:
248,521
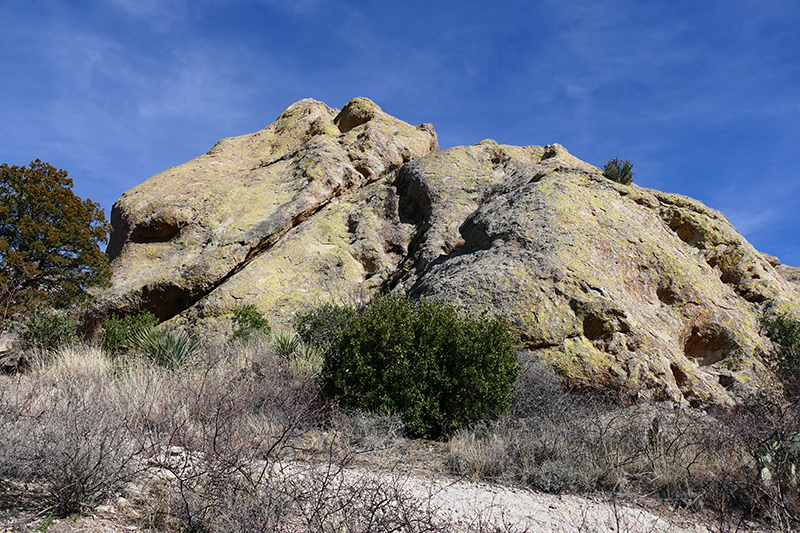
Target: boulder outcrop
185,232
613,284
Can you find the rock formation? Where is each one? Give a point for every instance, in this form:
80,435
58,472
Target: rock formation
190,230
613,284
788,272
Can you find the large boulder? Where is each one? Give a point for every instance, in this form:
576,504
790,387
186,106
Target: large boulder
183,233
614,285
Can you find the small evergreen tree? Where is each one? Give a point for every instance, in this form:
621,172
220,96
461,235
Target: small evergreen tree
249,321
618,170
49,240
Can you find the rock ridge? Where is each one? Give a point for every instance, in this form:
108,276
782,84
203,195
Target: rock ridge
615,285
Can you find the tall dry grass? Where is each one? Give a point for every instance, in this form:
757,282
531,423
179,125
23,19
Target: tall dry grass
228,440
738,463
238,438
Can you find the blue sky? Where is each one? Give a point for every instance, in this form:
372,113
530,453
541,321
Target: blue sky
703,97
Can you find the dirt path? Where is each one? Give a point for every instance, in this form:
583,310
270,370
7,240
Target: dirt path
465,504
512,509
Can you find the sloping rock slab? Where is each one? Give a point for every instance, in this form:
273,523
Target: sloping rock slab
615,285
184,232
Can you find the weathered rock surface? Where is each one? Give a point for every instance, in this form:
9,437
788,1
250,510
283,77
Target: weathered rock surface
184,232
613,284
790,273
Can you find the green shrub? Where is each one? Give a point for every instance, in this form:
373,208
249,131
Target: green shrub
166,347
50,331
618,170
120,331
320,326
248,320
438,369
785,335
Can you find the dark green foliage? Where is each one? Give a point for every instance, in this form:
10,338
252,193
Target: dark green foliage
50,331
320,326
49,240
438,369
248,321
120,331
785,334
618,170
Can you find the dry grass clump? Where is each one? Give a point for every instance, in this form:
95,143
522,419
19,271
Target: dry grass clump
238,438
564,443
218,442
63,430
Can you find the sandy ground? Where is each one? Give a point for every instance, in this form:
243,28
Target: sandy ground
462,502
510,509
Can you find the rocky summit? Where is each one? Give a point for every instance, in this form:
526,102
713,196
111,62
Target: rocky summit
614,285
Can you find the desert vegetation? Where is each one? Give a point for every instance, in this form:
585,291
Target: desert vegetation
317,428
438,369
49,241
240,434
618,170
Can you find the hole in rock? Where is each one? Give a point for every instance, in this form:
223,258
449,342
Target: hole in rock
707,345
593,327
155,231
666,295
166,301
681,379
727,381
685,230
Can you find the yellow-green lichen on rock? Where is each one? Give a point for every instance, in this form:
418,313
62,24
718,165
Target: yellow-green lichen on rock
614,285
600,278
345,253
221,210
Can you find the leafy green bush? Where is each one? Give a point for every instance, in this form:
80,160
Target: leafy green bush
321,325
618,170
249,320
50,331
122,330
438,369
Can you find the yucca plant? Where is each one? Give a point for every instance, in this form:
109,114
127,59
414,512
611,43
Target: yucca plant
286,344
120,330
166,347
309,359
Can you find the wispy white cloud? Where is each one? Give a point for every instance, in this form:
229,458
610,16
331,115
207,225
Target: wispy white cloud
702,99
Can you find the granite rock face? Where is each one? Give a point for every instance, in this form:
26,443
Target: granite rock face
185,232
614,285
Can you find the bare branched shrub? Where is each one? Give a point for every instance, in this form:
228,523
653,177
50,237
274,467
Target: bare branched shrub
767,431
219,426
64,428
326,496
561,442
371,431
